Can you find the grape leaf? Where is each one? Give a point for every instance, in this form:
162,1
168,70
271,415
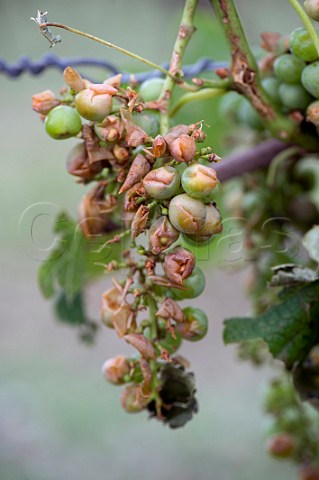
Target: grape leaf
70,310
65,267
290,328
73,312
75,260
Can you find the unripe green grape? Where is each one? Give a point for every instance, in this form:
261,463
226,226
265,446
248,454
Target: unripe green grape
63,122
199,181
148,121
280,396
195,326
248,115
117,104
290,420
302,45
271,87
198,240
151,89
162,183
229,104
312,9
187,214
195,285
165,338
310,79
169,343
92,106
212,226
213,222
288,68
294,97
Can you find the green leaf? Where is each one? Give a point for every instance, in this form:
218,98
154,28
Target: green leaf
311,242
65,267
290,328
75,259
46,279
70,310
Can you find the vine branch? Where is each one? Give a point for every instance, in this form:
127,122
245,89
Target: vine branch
201,95
185,31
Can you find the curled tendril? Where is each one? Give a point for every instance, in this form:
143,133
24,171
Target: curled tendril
49,60
41,20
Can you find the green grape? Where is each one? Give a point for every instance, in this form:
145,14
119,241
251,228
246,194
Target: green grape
229,104
248,115
187,214
117,104
198,240
92,106
151,89
169,343
302,45
310,79
213,222
195,326
288,68
271,87
162,183
212,226
312,8
148,121
199,182
294,97
63,122
280,396
195,285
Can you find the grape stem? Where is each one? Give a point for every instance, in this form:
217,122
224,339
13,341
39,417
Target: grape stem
152,315
307,23
201,95
185,32
110,45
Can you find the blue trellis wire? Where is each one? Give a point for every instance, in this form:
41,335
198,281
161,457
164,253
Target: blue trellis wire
49,60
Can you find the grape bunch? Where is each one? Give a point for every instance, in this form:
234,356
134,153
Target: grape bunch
292,429
144,182
289,70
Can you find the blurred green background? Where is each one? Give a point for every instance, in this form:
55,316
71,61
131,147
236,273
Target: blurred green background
58,418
